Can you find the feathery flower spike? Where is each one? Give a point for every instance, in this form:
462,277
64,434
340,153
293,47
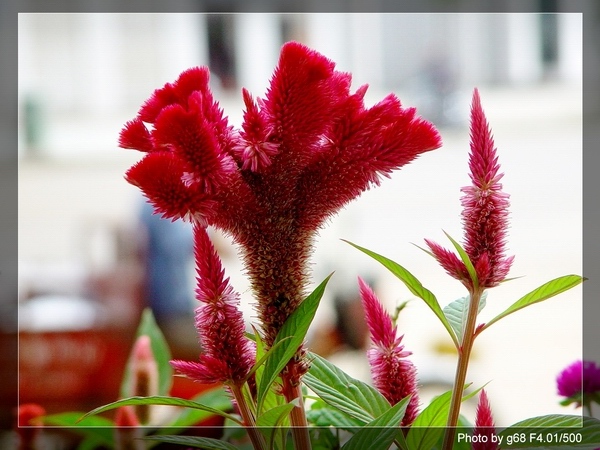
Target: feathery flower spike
484,425
304,151
485,212
227,355
393,375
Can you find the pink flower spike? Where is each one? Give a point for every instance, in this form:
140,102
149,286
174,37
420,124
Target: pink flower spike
393,375
485,206
227,355
484,214
484,425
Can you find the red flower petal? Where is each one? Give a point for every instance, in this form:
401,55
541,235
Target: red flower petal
159,176
136,136
194,79
192,138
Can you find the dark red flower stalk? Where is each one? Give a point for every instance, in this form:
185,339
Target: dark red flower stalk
484,425
304,151
227,355
393,375
485,212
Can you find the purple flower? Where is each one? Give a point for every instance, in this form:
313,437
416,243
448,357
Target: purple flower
485,212
581,378
393,375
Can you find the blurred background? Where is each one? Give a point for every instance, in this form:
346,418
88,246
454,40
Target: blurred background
90,252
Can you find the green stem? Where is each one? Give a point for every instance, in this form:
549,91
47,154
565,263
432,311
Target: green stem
464,354
258,441
298,421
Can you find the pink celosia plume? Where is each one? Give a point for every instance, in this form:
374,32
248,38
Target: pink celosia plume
485,212
227,355
393,375
304,151
484,425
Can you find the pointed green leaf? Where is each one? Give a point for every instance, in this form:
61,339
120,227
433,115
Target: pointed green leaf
160,400
96,429
380,432
466,260
196,442
544,292
426,429
214,398
292,333
413,285
338,389
161,352
555,431
456,312
271,421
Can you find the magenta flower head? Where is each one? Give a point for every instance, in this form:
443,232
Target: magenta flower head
227,355
393,375
484,425
485,212
302,153
579,383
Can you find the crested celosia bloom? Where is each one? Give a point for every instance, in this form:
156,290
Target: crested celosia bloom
484,425
485,212
227,355
304,151
393,375
581,378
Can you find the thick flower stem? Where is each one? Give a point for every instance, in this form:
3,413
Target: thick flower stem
258,441
297,416
464,353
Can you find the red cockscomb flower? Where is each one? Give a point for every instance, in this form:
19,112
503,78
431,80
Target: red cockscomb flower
227,355
304,151
393,375
485,212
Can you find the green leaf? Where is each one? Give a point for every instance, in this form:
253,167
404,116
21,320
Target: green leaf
554,431
321,414
215,398
292,333
413,285
190,441
544,292
161,352
160,400
380,432
338,389
457,311
466,260
97,429
426,430
271,420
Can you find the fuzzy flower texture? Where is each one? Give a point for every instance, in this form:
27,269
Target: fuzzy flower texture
393,375
484,215
303,152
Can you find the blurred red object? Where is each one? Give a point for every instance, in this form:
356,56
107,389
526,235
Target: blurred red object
72,370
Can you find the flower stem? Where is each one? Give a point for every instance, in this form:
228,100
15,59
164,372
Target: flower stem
464,353
258,441
293,391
